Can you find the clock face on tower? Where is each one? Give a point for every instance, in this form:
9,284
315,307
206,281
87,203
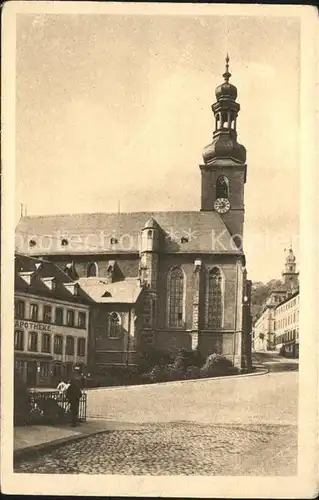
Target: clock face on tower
222,205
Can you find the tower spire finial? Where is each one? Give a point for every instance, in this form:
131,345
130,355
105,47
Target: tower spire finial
227,75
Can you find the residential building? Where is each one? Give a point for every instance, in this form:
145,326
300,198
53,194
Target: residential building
265,326
287,326
51,322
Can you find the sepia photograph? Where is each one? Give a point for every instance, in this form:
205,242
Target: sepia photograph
157,248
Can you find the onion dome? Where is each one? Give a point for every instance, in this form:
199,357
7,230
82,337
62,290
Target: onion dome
226,90
291,259
224,146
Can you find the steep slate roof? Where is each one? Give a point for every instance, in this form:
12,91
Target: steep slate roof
124,292
92,233
25,264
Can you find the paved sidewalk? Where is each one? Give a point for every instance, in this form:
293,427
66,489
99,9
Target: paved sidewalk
36,438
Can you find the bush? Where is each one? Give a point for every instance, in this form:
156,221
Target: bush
185,358
175,373
217,365
193,372
158,374
150,357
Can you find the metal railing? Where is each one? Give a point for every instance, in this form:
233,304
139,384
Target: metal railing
53,407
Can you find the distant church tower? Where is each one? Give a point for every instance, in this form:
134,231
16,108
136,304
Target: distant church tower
224,168
290,275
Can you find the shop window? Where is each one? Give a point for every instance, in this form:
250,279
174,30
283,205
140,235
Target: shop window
47,314
81,347
70,318
33,341
19,340
19,309
46,342
82,320
34,312
70,346
58,344
44,369
19,366
59,316
57,371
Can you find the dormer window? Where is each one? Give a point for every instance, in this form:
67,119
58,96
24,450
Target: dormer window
114,241
32,243
92,270
72,287
184,239
50,283
64,242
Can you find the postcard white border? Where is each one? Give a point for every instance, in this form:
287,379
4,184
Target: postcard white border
303,485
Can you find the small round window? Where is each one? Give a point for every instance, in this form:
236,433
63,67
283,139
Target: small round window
64,242
32,243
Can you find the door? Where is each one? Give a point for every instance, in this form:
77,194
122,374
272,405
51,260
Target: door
31,373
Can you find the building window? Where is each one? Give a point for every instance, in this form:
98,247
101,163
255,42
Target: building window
114,325
19,366
47,314
34,312
92,270
81,347
222,187
82,320
70,318
58,344
44,369
176,287
19,340
59,316
46,342
19,309
69,346
214,306
33,341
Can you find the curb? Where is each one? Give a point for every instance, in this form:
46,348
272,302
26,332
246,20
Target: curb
262,371
36,449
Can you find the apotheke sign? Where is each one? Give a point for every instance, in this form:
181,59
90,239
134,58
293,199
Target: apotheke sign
29,325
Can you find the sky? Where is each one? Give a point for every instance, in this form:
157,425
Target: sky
116,108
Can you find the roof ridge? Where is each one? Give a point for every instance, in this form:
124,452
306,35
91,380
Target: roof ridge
150,212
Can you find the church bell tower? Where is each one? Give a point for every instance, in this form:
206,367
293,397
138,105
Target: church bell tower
224,168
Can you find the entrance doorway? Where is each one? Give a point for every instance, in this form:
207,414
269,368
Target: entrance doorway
31,373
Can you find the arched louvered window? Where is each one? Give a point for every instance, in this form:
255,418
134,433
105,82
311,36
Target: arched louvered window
92,270
214,299
176,288
222,187
114,325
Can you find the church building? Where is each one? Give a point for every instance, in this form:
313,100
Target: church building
167,279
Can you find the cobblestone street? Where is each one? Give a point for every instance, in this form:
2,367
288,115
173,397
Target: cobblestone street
177,448
234,426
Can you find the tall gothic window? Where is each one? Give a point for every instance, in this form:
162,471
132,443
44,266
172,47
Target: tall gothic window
92,270
176,298
222,187
214,305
